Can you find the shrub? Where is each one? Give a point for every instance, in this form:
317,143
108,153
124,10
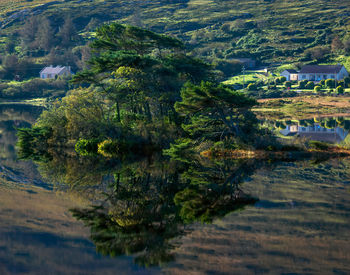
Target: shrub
288,84
283,79
252,87
310,85
280,80
111,148
330,83
317,89
10,92
302,84
347,81
341,83
322,82
86,147
339,90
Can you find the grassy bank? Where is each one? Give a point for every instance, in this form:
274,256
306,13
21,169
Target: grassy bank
303,107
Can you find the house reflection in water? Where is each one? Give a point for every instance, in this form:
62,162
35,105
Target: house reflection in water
316,132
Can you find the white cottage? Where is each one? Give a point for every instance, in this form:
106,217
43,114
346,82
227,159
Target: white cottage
322,72
52,72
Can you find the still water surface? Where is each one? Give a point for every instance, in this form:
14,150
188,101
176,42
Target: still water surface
229,217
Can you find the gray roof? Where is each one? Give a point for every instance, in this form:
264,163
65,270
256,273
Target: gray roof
323,69
291,71
52,70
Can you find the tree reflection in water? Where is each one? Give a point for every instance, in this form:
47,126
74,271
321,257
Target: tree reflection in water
140,207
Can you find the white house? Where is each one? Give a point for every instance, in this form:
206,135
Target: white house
322,72
52,72
290,75
317,73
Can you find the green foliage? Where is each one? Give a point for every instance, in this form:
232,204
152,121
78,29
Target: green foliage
135,77
85,147
78,115
302,84
347,81
283,79
252,87
34,88
32,142
317,89
113,148
288,84
330,83
182,150
339,90
225,110
310,85
280,80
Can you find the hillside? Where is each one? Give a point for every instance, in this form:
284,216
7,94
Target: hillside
272,31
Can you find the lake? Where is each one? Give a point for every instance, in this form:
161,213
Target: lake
71,215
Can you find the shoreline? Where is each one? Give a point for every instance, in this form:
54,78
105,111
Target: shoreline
277,155
35,102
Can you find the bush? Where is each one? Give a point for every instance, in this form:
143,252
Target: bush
339,90
317,89
322,82
280,80
347,81
310,85
111,148
10,92
288,84
330,83
252,87
302,84
86,147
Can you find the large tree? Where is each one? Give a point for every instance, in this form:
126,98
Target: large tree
140,70
215,111
45,36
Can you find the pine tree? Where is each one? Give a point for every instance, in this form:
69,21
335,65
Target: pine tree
67,32
28,32
44,38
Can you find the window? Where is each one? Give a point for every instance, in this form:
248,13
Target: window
324,76
332,76
303,76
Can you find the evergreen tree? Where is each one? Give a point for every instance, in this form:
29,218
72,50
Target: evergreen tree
67,32
44,38
28,32
217,111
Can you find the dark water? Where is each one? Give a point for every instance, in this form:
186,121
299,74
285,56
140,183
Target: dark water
191,216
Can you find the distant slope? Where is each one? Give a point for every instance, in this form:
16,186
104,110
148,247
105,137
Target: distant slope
272,31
